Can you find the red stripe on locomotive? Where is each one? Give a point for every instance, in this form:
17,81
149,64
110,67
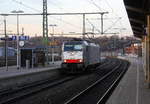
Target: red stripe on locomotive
73,61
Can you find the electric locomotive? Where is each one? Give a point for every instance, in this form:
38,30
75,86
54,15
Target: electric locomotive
78,56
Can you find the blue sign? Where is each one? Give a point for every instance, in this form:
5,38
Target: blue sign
20,38
8,39
26,37
14,37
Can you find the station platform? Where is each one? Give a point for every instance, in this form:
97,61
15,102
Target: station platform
12,71
132,89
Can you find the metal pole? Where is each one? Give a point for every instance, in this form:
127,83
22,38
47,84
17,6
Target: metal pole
32,59
18,52
45,3
93,30
6,59
53,45
83,26
45,29
52,53
102,23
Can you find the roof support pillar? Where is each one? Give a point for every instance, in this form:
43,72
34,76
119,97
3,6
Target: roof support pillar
148,51
45,29
147,67
144,55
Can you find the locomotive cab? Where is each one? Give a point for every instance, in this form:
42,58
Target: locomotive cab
72,55
77,56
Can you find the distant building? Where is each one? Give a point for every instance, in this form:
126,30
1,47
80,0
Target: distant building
134,49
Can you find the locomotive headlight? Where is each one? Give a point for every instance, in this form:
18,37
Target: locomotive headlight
65,60
80,60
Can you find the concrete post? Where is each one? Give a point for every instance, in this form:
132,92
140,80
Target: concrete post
27,64
144,56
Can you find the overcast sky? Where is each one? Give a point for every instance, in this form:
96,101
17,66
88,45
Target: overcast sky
116,18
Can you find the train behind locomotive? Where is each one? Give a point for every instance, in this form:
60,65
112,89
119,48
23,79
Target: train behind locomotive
78,56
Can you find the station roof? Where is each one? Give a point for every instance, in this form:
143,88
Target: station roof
137,11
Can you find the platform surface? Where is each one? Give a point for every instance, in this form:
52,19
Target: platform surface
132,89
13,71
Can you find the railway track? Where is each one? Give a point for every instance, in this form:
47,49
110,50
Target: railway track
113,85
106,67
103,71
98,92
11,96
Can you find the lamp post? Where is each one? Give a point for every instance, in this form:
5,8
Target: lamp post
53,25
18,51
5,32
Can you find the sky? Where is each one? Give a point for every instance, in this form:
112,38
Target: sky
116,21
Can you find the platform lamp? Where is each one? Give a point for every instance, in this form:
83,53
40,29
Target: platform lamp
5,32
18,51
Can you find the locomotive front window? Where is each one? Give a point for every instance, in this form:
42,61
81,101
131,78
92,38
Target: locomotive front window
68,47
72,47
78,47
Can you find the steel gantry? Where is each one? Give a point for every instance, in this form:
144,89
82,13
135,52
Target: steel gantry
45,17
45,22
45,29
